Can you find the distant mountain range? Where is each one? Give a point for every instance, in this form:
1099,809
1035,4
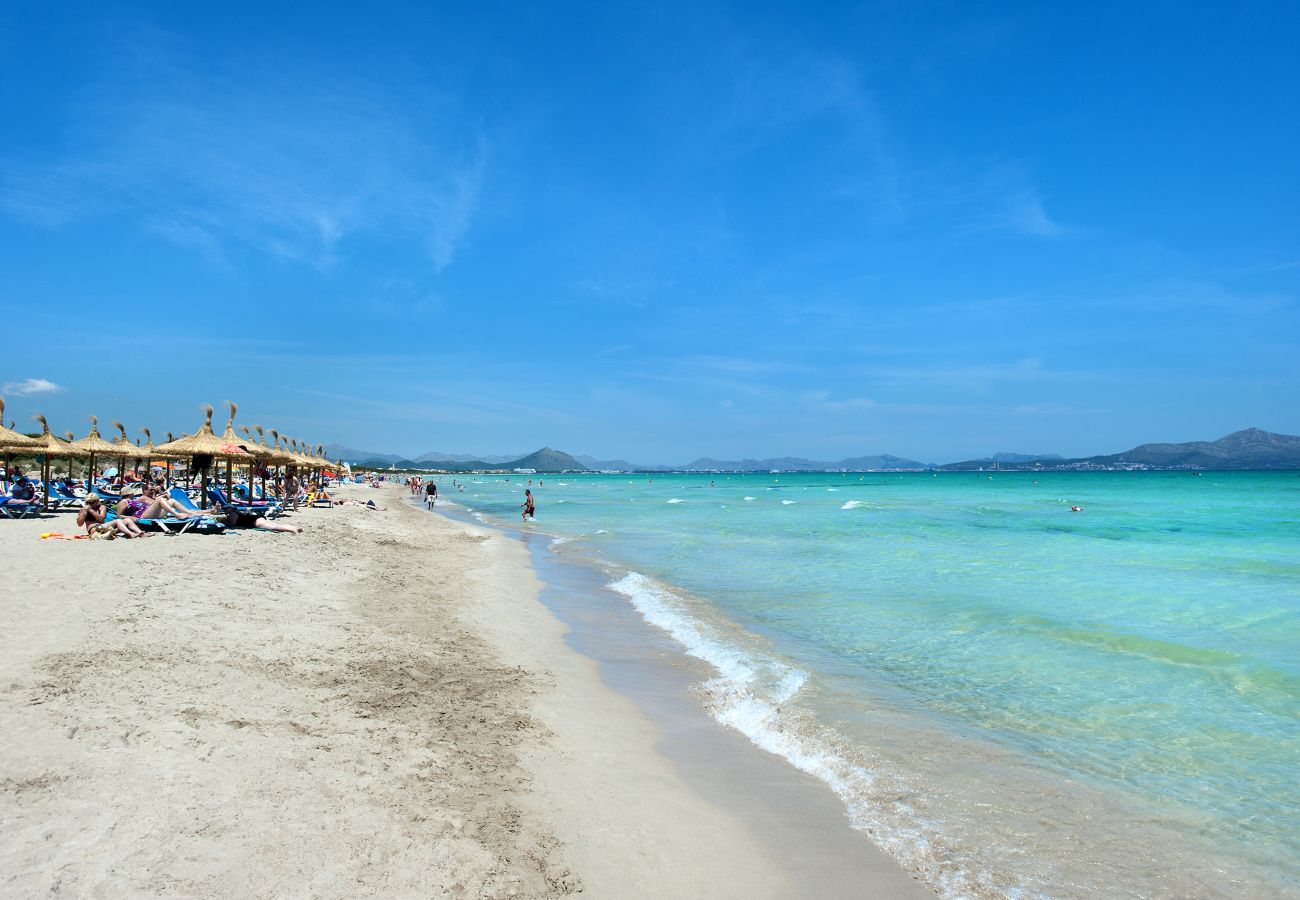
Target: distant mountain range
799,464
1248,449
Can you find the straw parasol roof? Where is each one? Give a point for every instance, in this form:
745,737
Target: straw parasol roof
261,449
203,443
13,440
53,446
300,450
229,436
93,442
150,448
122,446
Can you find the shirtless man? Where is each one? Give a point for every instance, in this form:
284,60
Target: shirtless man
529,511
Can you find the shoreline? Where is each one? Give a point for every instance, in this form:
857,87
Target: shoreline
795,816
977,783
382,704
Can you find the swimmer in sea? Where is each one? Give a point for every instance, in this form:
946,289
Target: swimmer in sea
529,511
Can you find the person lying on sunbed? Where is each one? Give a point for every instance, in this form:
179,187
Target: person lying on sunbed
237,518
22,492
369,504
152,505
94,518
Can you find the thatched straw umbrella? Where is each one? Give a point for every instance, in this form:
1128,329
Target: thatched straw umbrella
150,453
127,450
203,445
93,444
270,456
11,440
235,452
292,461
49,447
304,459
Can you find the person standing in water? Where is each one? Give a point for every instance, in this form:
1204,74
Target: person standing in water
529,511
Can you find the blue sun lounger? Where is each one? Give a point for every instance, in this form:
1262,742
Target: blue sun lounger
170,525
12,510
267,509
59,494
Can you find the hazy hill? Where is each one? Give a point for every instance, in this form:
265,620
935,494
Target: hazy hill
1248,449
433,457
544,460
354,456
617,465
799,464
1252,448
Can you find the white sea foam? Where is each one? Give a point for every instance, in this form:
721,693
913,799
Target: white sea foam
832,490
854,504
561,501
601,531
787,503
748,695
556,542
751,498
675,500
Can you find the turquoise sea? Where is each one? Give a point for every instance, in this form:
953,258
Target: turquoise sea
1011,697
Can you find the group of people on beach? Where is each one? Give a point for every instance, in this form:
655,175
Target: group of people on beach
123,518
415,484
140,502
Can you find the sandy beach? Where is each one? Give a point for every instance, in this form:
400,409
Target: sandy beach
379,706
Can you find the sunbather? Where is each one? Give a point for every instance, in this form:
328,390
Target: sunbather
22,492
369,504
94,518
236,518
152,505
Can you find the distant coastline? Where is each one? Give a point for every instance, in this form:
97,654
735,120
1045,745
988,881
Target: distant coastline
1251,449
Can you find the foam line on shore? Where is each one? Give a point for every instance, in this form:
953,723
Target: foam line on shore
750,694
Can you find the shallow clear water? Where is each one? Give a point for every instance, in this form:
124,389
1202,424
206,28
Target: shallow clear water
1011,697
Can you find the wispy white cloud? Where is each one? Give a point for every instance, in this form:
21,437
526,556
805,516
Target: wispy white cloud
823,401
31,387
260,156
1024,212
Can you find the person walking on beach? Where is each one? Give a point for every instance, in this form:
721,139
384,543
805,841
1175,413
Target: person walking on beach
431,495
529,511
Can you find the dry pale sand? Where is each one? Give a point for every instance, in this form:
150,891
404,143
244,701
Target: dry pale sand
380,706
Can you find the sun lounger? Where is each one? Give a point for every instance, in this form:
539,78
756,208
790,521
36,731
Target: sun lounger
261,508
11,509
198,524
60,494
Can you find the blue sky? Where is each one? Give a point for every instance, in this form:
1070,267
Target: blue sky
656,232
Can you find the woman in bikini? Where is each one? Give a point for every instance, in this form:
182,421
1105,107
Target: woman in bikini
153,505
94,518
